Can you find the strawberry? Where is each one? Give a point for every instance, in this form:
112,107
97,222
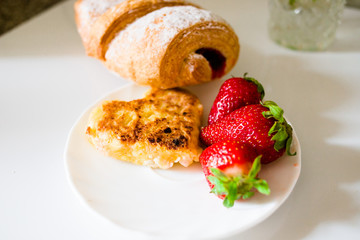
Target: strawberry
233,94
260,125
231,169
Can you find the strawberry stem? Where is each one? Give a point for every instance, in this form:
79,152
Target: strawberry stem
238,187
281,130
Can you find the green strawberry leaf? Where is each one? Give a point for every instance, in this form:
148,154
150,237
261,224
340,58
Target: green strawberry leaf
275,127
278,145
214,180
228,202
247,195
219,174
275,111
281,134
281,130
255,168
219,187
288,144
232,191
240,186
280,139
267,114
260,88
262,186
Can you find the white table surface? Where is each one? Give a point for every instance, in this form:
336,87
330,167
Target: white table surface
47,82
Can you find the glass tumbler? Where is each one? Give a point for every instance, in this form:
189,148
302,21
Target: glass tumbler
308,25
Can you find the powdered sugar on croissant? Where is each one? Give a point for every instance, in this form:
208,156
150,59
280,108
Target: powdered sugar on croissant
88,11
163,44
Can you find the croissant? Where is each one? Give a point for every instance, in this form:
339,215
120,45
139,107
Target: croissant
160,43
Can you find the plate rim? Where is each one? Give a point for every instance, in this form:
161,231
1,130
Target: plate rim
146,233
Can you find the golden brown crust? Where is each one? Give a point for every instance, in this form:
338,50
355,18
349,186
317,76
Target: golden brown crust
105,26
116,19
157,131
161,57
223,41
161,43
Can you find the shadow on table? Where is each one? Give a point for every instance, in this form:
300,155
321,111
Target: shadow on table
323,192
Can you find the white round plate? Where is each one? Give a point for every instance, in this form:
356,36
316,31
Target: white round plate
174,202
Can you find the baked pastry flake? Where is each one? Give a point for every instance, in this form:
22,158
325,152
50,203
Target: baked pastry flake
160,43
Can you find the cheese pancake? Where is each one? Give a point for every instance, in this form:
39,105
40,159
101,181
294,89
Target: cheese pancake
157,131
